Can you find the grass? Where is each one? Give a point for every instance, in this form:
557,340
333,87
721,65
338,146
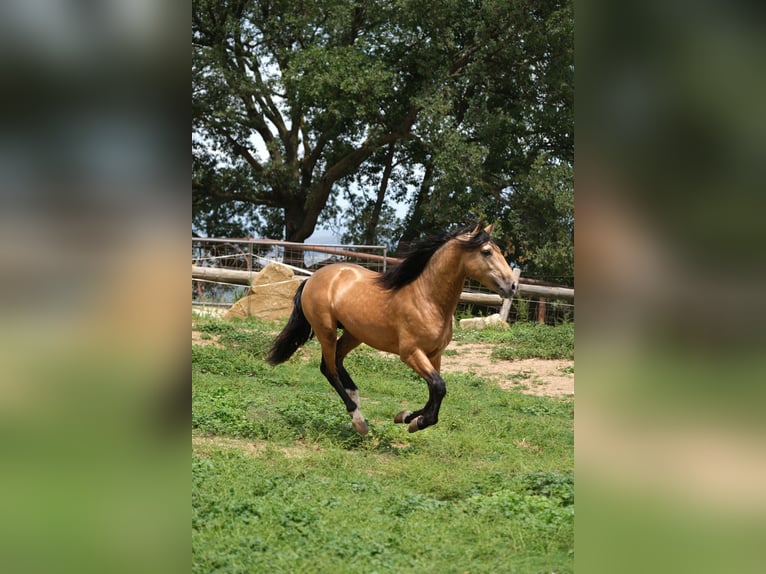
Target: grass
281,483
524,340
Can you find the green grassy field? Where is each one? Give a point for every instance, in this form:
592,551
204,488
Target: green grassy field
281,483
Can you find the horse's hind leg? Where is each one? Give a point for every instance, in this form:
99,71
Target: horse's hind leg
330,370
345,345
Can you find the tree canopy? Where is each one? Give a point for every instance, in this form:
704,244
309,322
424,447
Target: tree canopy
333,110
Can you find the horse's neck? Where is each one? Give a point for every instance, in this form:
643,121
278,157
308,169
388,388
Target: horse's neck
442,280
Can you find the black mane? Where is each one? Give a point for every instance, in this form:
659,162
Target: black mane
405,272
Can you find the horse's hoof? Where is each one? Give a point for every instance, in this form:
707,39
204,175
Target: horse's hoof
414,425
400,418
358,422
360,427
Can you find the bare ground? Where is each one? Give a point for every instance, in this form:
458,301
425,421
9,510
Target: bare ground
544,377
253,447
204,339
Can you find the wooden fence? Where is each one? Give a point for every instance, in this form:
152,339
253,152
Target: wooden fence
529,287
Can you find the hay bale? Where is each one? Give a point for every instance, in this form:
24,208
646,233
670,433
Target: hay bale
271,295
482,322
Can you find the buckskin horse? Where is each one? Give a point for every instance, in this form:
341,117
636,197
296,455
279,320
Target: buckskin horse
407,310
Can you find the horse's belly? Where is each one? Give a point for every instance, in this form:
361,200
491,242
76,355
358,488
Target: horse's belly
366,320
387,327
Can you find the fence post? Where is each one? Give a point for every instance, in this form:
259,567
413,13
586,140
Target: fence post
541,310
505,310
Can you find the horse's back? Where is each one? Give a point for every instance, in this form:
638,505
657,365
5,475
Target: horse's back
340,284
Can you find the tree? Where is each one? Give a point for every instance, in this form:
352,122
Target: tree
446,105
296,96
538,225
509,110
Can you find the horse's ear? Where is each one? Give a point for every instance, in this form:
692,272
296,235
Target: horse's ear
476,229
488,229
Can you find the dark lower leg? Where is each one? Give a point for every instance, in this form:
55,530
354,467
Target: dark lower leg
429,414
346,344
335,379
348,384
345,378
357,419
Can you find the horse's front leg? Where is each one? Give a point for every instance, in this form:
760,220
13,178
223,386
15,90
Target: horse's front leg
428,368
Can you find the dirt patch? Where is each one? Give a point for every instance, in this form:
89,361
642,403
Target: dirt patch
551,378
254,448
524,444
204,339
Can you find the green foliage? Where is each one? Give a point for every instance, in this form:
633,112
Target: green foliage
555,485
252,335
522,309
524,340
209,359
539,224
461,111
535,340
345,81
280,482
271,512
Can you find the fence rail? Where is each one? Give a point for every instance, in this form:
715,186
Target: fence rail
234,276
222,269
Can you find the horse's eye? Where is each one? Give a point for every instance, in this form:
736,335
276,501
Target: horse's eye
486,252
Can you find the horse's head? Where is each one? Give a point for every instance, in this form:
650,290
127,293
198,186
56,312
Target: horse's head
485,263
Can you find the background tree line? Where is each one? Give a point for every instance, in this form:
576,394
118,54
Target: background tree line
335,111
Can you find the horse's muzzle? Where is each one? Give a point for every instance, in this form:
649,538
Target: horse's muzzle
507,288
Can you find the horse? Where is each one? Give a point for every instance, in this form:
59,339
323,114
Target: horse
407,310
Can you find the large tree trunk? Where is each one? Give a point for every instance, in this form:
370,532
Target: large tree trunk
414,222
370,233
295,231
295,219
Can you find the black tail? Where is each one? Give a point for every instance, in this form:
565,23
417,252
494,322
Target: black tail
296,333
